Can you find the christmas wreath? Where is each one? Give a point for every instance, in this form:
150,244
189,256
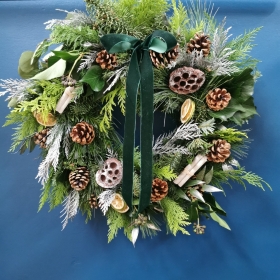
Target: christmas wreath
128,57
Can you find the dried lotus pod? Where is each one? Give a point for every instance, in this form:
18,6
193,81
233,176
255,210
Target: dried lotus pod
218,99
186,80
111,173
187,110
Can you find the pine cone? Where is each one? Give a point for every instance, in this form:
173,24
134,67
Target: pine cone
68,81
106,60
79,178
186,80
93,201
220,151
218,99
82,133
159,190
198,43
161,59
40,138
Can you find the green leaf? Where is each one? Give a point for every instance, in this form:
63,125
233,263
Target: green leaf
192,183
93,77
55,71
200,175
192,211
209,198
25,64
26,69
208,176
68,56
219,220
181,194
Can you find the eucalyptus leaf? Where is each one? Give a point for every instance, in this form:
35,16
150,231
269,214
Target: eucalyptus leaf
192,211
208,176
55,71
25,62
208,188
219,220
181,194
25,75
192,183
93,77
200,175
197,194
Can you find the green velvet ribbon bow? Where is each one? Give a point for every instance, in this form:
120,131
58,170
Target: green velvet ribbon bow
139,77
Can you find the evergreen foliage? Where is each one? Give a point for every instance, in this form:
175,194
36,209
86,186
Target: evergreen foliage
176,217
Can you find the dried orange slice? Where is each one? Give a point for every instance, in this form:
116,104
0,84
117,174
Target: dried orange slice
187,110
119,204
50,120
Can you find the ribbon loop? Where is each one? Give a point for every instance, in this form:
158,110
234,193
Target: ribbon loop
139,79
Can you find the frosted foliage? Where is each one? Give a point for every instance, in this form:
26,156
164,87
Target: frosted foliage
87,60
219,60
74,18
54,142
70,207
16,88
105,199
165,144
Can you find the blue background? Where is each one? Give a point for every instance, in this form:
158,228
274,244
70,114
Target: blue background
32,245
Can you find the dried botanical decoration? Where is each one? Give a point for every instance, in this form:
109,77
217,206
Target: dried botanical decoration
186,80
111,60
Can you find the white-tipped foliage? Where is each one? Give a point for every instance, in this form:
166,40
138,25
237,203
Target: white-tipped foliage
70,207
105,199
54,142
74,18
87,60
16,88
165,144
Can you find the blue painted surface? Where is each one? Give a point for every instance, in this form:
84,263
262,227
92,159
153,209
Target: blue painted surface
32,245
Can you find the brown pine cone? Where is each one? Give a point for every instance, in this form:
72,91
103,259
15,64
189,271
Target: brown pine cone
218,99
79,178
159,190
161,59
93,201
40,138
106,60
220,151
82,133
198,43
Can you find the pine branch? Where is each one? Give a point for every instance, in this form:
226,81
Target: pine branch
71,205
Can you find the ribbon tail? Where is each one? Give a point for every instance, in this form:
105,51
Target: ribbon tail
132,85
146,141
